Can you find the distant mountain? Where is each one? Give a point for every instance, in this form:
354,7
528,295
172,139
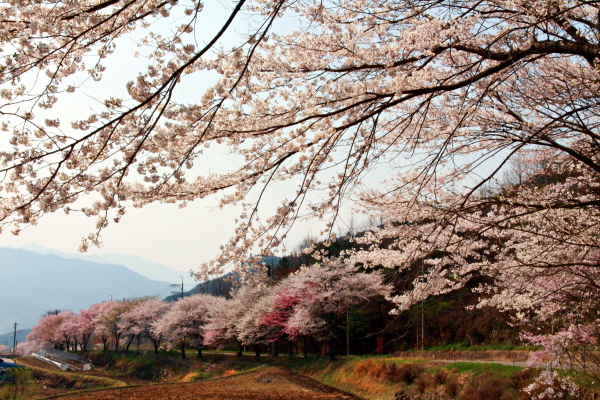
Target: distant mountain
149,269
32,283
8,340
220,286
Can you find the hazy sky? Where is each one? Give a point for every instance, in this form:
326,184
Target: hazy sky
163,233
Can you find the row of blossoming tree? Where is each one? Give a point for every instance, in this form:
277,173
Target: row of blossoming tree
306,304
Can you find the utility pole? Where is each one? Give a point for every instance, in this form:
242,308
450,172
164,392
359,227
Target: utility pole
422,314
15,340
347,329
272,270
417,322
422,328
177,285
423,279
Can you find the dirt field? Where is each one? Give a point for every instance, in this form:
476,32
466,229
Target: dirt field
270,383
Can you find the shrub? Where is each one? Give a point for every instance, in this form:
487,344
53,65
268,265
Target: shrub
407,373
423,382
18,384
484,387
440,377
378,370
363,368
524,377
391,373
452,388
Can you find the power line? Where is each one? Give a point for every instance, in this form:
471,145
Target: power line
177,285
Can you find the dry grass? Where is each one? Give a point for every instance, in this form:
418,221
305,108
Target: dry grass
423,382
452,388
485,387
440,377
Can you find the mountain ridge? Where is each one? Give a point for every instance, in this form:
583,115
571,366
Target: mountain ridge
137,264
33,283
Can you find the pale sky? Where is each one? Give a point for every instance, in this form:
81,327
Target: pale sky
163,233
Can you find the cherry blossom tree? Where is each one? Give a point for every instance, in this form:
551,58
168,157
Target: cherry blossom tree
92,316
106,317
220,326
49,330
3,348
324,293
363,82
24,349
77,329
282,303
183,323
140,320
252,302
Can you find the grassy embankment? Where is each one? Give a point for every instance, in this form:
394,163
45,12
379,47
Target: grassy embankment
381,378
385,378
374,377
45,381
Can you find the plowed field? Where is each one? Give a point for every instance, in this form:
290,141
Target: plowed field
267,384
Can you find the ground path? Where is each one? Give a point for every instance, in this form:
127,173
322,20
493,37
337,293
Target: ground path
268,383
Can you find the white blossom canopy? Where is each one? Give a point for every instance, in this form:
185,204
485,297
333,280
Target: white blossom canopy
431,89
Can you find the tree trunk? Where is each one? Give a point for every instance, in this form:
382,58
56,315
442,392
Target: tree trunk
117,337
129,342
138,336
155,342
331,349
305,342
275,345
317,346
200,351
182,345
330,341
290,348
239,353
256,351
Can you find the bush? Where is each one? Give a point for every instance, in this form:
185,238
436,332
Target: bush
484,387
423,382
440,377
522,378
452,388
378,370
363,368
371,368
407,373
17,386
